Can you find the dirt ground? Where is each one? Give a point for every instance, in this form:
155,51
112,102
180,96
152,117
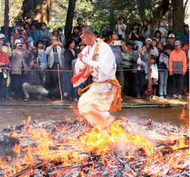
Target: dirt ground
11,115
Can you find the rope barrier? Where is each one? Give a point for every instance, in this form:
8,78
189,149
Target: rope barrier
62,70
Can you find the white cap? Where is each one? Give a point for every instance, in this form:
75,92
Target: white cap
18,41
148,40
171,36
2,36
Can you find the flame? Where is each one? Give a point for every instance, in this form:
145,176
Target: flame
43,148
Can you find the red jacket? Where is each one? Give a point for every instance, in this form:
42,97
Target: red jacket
4,58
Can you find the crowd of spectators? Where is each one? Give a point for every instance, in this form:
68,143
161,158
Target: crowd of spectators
36,62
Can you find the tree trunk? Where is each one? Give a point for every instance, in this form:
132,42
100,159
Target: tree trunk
38,10
69,19
178,15
141,7
6,20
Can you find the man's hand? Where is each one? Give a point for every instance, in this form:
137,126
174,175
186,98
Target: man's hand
156,79
141,51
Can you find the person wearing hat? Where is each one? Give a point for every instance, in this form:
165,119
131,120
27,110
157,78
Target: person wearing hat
171,40
18,66
20,32
35,34
4,61
31,51
154,74
149,49
56,33
177,69
5,45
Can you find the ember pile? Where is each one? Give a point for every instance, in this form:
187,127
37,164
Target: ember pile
74,148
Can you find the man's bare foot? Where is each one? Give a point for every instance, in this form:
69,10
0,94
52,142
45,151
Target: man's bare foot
107,122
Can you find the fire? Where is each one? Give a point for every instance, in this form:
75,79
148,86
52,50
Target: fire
44,149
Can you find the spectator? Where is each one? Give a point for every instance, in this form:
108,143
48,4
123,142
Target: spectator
154,42
54,53
177,69
105,31
138,66
35,80
20,33
163,73
75,36
45,34
69,56
31,51
154,74
158,37
171,40
56,33
186,33
42,57
5,45
127,63
117,49
149,49
109,37
80,24
159,47
27,28
18,64
162,29
35,34
135,34
145,30
61,36
4,61
120,28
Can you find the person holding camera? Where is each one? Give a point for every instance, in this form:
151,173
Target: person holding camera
120,28
55,54
149,49
20,33
5,45
4,61
35,80
135,34
117,46
18,66
31,51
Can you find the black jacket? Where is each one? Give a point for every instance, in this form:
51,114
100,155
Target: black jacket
68,57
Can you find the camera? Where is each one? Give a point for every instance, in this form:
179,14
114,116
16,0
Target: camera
35,62
20,31
20,45
117,42
150,46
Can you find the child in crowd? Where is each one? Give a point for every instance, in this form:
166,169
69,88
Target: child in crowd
163,74
42,57
154,74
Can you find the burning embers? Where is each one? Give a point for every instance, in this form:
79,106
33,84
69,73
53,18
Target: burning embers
68,148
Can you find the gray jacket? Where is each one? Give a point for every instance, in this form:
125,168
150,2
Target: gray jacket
50,55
